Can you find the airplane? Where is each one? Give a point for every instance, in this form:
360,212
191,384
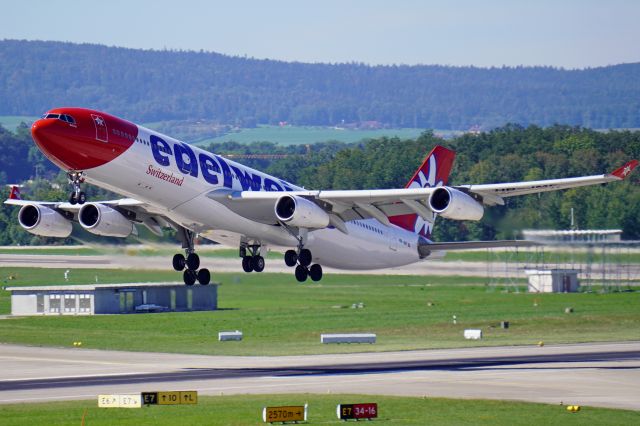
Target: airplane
168,183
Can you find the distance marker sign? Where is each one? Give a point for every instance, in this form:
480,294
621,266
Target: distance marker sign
289,413
170,398
357,411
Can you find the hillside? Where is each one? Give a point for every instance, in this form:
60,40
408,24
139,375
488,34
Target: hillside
147,85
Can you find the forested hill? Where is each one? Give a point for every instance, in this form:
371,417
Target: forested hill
146,85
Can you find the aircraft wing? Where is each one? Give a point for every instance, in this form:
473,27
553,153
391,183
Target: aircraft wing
494,193
66,206
142,212
381,203
346,204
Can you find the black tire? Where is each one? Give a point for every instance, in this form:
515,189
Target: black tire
305,257
72,199
257,263
193,261
189,277
82,198
178,262
301,273
204,276
315,272
290,258
247,264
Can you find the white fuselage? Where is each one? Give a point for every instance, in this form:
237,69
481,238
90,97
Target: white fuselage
153,176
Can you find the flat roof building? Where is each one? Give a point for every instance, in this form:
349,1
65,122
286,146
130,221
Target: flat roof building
112,299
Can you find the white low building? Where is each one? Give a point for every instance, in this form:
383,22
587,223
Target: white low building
553,280
112,299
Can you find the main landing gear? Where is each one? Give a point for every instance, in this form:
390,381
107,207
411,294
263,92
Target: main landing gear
251,261
77,196
191,262
304,268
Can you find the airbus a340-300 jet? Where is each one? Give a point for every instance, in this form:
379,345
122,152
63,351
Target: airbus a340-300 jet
168,183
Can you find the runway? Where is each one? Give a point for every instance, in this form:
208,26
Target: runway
221,264
602,374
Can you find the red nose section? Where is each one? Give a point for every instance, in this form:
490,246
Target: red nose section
81,139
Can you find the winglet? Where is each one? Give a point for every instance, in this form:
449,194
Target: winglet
624,171
15,193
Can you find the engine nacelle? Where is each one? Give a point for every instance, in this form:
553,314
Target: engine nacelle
44,221
301,213
102,220
453,204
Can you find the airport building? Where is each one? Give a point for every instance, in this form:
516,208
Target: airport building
112,299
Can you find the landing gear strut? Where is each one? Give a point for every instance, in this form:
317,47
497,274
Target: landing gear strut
191,262
252,261
77,196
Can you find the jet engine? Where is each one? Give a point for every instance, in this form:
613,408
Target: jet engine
44,221
453,204
301,213
103,220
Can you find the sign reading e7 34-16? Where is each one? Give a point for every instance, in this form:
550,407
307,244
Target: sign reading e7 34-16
357,411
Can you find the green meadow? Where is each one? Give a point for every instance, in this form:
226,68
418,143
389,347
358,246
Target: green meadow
295,135
247,410
278,316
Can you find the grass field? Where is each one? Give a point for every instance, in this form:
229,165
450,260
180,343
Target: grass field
61,250
547,256
294,135
11,122
247,410
279,316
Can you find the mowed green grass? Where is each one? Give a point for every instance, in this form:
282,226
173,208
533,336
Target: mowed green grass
247,410
294,135
278,316
59,250
547,256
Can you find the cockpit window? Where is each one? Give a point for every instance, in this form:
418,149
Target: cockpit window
62,117
69,119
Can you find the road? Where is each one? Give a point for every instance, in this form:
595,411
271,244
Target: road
599,374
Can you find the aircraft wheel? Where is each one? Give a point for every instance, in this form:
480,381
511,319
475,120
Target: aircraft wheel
204,276
247,264
301,273
257,263
315,272
72,199
189,277
178,262
193,261
305,257
290,258
82,198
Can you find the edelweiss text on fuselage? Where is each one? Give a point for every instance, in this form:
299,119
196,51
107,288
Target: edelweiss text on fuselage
213,167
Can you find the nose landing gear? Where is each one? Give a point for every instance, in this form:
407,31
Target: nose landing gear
77,195
191,262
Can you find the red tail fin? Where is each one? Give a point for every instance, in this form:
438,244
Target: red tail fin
434,171
15,193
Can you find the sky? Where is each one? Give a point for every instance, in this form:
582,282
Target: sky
484,33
